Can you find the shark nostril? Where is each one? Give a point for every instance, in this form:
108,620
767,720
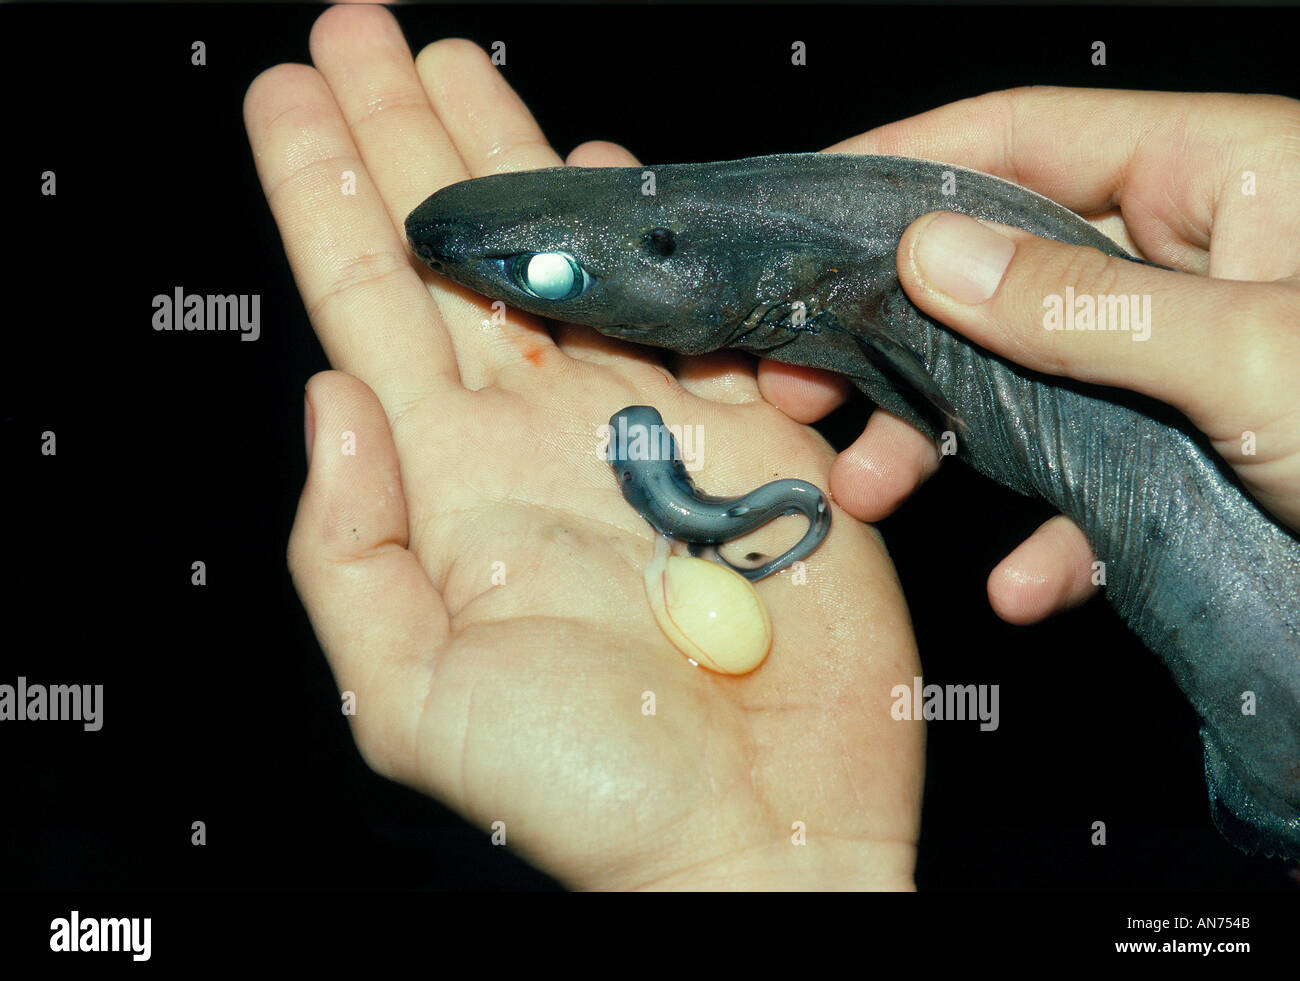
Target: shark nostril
427,253
439,244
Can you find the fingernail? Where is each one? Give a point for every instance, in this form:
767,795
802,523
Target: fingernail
308,425
963,258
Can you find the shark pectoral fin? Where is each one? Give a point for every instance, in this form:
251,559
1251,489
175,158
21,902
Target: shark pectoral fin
896,360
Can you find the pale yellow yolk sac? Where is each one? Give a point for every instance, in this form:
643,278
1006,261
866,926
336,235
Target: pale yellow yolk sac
712,615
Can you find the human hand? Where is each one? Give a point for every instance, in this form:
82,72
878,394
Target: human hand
475,444
1162,174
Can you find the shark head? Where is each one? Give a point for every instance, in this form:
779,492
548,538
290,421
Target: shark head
673,256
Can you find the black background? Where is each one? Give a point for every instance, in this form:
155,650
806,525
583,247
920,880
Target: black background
174,447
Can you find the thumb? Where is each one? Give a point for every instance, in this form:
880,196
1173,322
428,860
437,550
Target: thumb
375,612
1210,347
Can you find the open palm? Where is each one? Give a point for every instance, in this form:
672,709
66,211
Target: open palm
472,572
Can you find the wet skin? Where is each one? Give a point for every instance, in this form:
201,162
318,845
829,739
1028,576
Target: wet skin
794,257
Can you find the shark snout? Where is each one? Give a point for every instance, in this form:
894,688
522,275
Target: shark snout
438,237
436,243
426,253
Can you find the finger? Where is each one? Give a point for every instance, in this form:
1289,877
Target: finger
601,153
803,394
882,467
590,345
373,608
411,153
725,376
362,55
1049,572
1173,162
349,265
489,124
1207,346
1016,134
1111,224
493,132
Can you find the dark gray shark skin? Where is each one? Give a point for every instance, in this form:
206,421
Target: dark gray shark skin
794,257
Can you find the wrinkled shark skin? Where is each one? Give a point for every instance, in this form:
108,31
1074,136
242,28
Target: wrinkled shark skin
794,257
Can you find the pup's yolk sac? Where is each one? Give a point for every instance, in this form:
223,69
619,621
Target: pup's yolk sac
712,615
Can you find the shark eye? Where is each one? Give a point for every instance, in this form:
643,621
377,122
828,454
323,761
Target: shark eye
548,275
